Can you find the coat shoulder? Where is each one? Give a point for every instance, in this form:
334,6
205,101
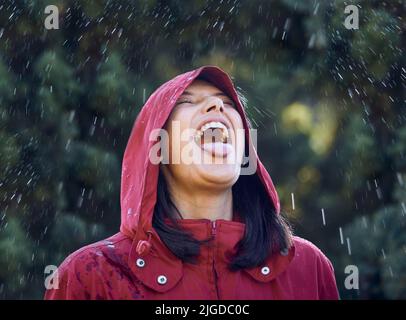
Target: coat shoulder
307,253
312,265
92,252
306,246
81,275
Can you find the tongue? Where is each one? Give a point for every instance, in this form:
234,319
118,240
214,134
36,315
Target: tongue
217,149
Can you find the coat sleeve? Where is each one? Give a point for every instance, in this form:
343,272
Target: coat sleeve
327,285
68,286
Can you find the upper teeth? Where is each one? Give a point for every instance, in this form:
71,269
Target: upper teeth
213,125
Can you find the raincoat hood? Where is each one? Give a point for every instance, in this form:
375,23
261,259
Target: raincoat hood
140,176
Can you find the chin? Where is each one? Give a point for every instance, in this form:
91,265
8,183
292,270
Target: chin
212,171
223,175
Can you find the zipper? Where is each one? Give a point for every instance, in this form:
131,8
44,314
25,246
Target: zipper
213,228
213,232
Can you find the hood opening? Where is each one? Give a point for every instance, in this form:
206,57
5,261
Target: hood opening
139,177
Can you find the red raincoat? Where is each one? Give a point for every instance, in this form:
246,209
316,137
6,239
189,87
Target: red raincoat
135,263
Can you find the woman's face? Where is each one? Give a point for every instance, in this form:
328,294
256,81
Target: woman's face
206,138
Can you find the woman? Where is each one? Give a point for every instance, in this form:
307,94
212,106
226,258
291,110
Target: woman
198,223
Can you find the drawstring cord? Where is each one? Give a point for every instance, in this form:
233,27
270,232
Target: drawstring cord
143,246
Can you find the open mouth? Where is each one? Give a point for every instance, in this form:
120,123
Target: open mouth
214,138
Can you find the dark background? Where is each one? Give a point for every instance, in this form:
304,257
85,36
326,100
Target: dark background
328,104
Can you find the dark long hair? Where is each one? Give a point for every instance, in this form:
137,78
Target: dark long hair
265,231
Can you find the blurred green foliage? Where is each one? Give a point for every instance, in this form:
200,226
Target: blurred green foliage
328,104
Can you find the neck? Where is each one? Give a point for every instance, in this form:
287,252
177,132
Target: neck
212,205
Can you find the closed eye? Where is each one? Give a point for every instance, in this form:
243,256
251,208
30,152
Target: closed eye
183,101
229,103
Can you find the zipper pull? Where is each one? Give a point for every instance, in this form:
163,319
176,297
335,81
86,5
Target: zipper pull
213,227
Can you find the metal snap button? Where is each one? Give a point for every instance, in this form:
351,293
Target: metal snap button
162,279
265,271
140,262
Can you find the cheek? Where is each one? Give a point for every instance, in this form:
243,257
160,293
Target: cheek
178,126
237,123
239,133
235,117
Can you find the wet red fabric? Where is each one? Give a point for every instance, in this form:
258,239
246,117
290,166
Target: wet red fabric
135,263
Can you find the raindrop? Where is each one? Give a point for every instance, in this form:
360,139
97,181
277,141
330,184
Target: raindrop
80,202
341,235
92,129
316,8
390,271
311,41
379,193
323,216
400,178
68,144
60,186
349,246
287,24
283,35
80,199
71,115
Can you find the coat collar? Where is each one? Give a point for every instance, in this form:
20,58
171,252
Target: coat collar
161,270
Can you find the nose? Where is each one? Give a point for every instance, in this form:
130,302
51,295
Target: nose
213,104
